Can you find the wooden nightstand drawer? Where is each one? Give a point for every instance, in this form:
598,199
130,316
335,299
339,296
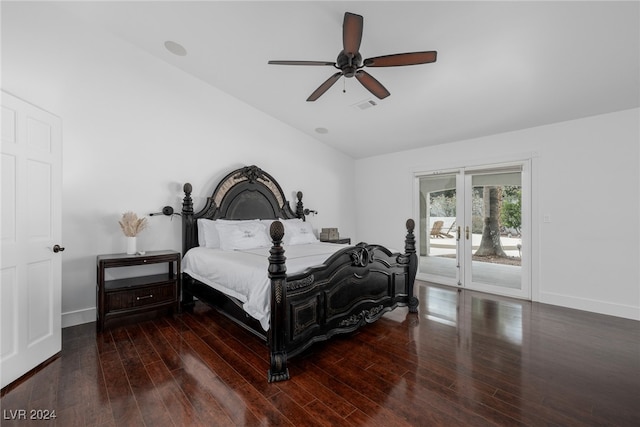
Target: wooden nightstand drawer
139,297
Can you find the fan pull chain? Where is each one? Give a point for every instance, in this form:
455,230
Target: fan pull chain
344,85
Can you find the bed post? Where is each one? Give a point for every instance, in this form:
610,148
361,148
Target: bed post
188,240
410,251
187,219
278,370
300,207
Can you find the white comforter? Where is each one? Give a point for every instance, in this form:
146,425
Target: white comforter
243,274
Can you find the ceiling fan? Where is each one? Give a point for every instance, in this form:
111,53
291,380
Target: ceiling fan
350,62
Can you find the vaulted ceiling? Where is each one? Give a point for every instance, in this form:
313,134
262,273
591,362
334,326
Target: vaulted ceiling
501,66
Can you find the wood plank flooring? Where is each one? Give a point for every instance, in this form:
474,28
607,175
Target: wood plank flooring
465,359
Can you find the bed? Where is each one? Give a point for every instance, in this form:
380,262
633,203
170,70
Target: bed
311,290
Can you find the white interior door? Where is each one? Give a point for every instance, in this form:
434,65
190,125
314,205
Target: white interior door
30,281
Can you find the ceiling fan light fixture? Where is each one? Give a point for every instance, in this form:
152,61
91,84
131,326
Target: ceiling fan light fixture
175,48
350,62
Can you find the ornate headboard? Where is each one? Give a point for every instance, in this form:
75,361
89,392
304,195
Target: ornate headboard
246,193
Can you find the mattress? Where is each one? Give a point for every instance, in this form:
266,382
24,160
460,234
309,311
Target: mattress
243,274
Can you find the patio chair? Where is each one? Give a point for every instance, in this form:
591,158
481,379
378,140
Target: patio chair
436,230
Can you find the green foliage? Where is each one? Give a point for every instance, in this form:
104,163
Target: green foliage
511,211
443,203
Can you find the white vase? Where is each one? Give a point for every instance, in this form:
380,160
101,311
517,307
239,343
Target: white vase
131,245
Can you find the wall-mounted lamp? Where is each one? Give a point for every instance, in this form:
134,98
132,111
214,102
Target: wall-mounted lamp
167,211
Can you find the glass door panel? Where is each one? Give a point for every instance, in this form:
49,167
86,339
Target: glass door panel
439,245
494,225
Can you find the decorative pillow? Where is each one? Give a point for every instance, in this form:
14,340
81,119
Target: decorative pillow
298,232
236,221
242,235
208,233
201,240
267,223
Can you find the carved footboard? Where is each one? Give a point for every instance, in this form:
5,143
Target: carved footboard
355,286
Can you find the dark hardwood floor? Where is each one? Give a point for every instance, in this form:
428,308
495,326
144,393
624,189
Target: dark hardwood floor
466,359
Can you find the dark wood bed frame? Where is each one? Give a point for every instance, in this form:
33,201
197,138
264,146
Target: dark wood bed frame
353,287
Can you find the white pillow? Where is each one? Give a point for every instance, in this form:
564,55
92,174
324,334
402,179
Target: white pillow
201,240
208,233
298,232
242,235
267,223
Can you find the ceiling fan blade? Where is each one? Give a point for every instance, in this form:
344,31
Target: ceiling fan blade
352,33
301,63
371,84
324,87
399,59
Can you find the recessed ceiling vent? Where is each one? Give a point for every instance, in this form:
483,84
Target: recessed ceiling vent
363,105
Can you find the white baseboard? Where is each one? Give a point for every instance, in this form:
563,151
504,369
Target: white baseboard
595,306
78,317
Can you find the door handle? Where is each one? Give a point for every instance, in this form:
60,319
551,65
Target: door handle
58,248
466,232
459,232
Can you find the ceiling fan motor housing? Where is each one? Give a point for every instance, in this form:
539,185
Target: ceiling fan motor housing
349,65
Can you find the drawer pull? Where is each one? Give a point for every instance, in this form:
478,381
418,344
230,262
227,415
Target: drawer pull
144,297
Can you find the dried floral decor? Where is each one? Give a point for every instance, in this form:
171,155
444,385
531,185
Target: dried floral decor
132,225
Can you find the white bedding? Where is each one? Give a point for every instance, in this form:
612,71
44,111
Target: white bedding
243,274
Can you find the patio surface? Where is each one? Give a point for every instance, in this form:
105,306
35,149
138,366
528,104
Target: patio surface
508,276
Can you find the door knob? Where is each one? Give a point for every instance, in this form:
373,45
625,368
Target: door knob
58,248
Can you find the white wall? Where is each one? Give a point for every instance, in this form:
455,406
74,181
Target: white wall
135,129
583,171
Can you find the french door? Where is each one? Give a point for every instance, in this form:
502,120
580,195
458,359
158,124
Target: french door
474,228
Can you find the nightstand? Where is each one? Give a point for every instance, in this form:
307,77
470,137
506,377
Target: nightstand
125,300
